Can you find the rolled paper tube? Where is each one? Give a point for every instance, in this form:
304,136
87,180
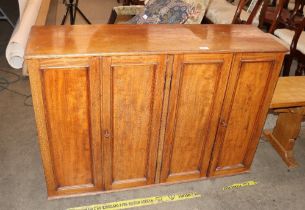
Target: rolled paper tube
29,10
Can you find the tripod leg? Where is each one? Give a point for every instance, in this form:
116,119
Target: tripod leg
82,14
65,17
72,19
74,14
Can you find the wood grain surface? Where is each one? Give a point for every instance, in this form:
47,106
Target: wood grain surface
252,82
70,135
101,40
288,101
198,86
289,92
132,98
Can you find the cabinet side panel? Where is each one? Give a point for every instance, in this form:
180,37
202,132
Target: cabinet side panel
66,94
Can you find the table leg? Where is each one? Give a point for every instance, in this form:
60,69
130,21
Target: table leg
284,135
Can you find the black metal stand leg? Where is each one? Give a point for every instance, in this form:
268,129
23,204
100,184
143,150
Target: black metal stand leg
65,17
72,21
82,14
3,16
71,10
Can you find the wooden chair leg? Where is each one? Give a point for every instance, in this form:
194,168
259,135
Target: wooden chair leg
287,64
301,9
284,135
300,69
112,17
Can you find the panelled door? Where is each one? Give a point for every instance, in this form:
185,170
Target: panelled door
250,89
66,99
197,92
132,97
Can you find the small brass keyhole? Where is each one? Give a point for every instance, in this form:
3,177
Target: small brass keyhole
106,133
223,124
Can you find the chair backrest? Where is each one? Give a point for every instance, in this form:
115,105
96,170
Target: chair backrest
297,26
200,7
281,15
298,31
257,7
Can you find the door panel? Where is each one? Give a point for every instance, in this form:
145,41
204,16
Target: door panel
245,108
71,142
198,87
132,97
73,162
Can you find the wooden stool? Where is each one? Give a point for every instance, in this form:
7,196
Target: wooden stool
289,101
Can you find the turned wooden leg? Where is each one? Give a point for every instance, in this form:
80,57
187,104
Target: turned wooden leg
284,135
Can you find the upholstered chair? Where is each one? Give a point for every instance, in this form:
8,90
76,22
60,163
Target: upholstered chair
294,38
290,32
132,10
224,12
288,8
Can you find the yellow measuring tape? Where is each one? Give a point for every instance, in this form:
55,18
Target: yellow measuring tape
239,185
139,202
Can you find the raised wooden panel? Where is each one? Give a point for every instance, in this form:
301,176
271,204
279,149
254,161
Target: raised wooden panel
72,133
250,88
69,135
198,87
132,105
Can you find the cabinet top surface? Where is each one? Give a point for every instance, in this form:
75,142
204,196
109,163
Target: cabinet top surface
105,40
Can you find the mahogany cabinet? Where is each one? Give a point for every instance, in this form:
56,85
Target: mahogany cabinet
114,114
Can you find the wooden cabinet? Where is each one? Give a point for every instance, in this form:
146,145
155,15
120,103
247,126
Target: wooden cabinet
113,115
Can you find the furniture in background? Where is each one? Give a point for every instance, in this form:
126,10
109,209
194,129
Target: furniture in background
132,10
224,12
115,113
283,16
292,34
289,101
125,10
72,10
132,2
